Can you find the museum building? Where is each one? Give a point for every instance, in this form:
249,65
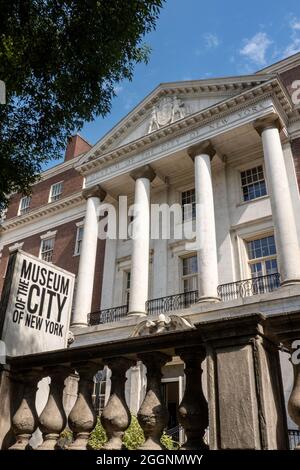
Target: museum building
227,151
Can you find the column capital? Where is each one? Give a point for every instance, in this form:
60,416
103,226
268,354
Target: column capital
203,148
271,121
145,171
94,191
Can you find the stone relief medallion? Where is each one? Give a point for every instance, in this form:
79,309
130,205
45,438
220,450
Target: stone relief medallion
162,324
165,112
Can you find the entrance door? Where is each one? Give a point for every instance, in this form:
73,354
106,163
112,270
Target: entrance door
172,393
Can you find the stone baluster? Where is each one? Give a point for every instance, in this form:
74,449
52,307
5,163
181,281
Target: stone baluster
115,416
25,420
53,418
153,414
82,418
193,409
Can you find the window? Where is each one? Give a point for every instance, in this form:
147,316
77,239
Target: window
127,287
99,391
24,205
262,256
253,183
47,248
188,204
189,273
78,242
56,191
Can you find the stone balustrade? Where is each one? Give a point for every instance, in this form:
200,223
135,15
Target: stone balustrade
243,405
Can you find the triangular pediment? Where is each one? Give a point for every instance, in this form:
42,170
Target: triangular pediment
168,103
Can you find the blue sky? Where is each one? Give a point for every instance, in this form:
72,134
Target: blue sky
199,39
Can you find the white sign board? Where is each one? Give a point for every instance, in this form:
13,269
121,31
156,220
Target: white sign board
35,306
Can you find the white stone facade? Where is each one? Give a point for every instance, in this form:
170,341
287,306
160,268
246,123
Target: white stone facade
229,127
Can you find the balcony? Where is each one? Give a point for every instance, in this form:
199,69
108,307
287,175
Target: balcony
226,292
249,287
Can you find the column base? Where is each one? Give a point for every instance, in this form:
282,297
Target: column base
289,282
208,299
79,325
136,314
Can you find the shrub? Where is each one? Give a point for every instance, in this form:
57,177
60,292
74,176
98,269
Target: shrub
97,437
65,439
133,437
168,442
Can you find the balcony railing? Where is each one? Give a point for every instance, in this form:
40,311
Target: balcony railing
249,287
172,302
226,292
294,438
108,315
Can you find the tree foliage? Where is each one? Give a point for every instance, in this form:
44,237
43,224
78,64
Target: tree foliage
60,61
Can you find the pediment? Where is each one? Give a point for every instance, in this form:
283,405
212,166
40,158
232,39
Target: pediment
168,103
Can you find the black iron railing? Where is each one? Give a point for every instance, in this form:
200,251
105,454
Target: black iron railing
294,438
108,315
249,287
174,433
172,302
226,292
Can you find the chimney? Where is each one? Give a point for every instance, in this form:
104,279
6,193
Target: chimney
75,146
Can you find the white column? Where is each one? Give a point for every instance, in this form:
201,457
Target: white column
140,244
85,278
205,223
281,202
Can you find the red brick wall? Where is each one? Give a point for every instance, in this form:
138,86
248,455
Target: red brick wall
289,76
72,183
63,255
76,146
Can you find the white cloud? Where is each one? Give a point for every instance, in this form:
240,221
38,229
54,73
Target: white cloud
295,24
255,49
293,47
211,40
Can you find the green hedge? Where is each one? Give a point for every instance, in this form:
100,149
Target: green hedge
133,437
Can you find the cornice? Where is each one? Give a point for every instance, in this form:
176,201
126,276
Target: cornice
60,168
282,65
272,88
48,209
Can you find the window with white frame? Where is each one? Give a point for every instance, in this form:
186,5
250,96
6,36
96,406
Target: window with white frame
127,287
47,249
56,191
188,204
78,243
253,183
99,390
262,257
24,205
190,273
